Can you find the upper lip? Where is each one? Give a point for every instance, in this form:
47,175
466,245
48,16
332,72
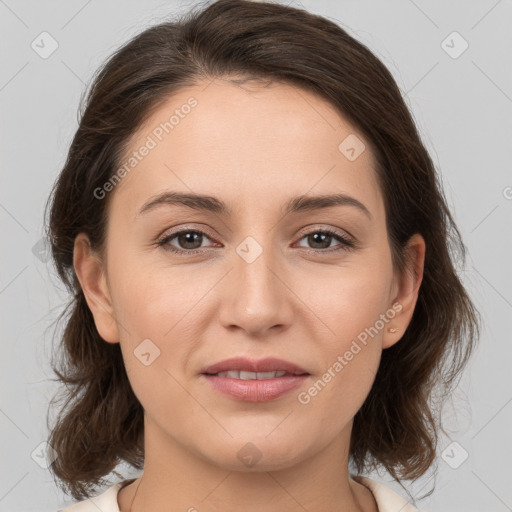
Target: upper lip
268,364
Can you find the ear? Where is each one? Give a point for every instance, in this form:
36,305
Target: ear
405,290
91,274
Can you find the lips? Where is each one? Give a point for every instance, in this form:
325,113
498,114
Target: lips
245,369
247,380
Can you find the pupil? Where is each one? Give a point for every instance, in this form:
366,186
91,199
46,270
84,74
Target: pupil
189,238
323,237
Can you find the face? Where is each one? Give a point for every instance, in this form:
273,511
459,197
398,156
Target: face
186,285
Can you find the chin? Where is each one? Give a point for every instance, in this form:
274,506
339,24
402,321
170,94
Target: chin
259,454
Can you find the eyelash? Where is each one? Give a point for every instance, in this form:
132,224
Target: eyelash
346,244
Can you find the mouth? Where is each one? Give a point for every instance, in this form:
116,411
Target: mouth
254,381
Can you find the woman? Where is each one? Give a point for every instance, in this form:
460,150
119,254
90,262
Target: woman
259,251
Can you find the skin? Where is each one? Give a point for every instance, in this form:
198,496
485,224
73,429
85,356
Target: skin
296,301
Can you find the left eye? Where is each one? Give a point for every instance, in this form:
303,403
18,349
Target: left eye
190,241
324,239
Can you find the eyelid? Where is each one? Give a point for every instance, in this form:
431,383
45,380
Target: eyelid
185,228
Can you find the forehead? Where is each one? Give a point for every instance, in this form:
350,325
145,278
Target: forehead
246,143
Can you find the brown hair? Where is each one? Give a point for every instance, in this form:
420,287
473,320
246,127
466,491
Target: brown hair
101,422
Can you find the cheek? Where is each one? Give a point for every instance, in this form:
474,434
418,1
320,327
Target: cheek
354,305
153,307
350,358
350,308
154,299
156,311
334,397
346,300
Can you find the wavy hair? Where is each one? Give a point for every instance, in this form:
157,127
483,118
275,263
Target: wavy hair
101,422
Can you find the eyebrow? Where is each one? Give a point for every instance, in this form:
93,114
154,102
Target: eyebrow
298,204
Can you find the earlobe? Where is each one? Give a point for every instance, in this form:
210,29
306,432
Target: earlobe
407,286
91,275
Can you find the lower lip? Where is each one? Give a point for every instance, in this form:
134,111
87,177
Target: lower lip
255,390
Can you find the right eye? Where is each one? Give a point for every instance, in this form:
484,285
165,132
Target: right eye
190,241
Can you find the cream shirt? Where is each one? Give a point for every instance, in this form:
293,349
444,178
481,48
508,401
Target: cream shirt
387,499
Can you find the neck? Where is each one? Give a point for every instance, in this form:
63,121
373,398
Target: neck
177,479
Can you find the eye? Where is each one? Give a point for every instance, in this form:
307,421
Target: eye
322,239
189,240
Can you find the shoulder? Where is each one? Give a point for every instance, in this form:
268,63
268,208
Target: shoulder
106,502
387,499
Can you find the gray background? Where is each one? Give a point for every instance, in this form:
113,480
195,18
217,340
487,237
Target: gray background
463,107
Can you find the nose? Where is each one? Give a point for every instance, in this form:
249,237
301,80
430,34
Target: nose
255,296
